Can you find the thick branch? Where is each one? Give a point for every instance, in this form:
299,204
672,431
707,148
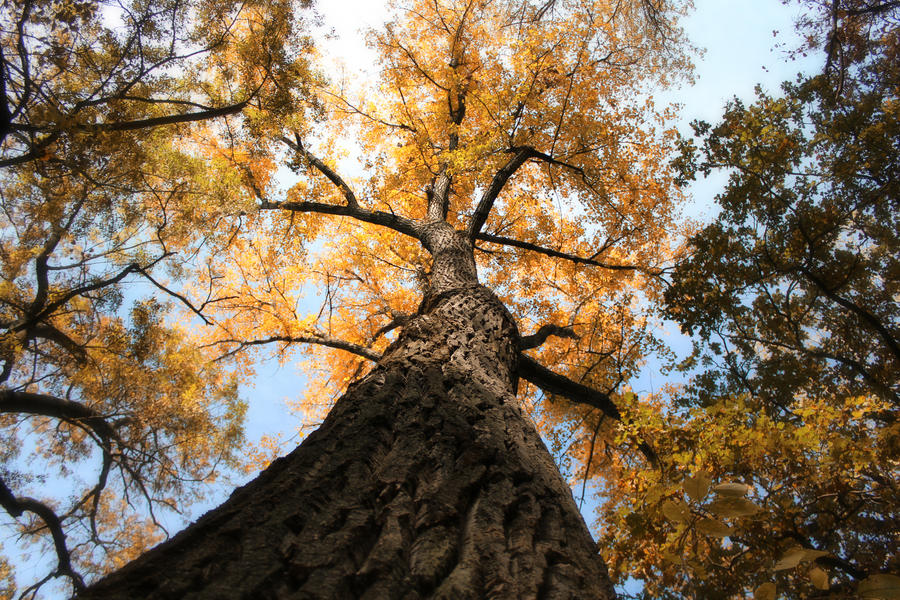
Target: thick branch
376,217
51,333
553,383
490,195
540,336
50,406
168,119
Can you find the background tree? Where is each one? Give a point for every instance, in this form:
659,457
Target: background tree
793,291
103,185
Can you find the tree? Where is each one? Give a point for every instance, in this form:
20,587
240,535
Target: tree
793,288
100,188
510,141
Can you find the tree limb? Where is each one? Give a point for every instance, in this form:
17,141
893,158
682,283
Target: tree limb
168,119
16,506
505,241
553,383
490,195
537,338
321,340
333,177
376,217
33,403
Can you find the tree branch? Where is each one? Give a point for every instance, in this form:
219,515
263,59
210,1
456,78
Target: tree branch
333,177
33,403
505,241
16,506
321,340
490,195
168,119
553,383
857,310
537,338
399,224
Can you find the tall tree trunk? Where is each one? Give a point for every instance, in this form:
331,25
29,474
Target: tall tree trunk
424,481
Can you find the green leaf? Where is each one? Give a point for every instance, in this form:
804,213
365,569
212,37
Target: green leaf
733,507
765,592
714,528
881,587
697,487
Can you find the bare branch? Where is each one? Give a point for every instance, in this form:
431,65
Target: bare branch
318,339
16,506
553,383
49,332
33,403
377,217
173,293
168,119
333,177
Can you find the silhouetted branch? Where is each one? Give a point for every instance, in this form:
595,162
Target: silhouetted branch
490,195
505,241
16,506
537,338
553,383
321,340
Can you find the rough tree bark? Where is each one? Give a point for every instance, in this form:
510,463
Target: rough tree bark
424,481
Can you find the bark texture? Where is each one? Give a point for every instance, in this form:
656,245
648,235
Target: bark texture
425,481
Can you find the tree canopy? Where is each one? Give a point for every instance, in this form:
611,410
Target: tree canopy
177,174
791,296
103,190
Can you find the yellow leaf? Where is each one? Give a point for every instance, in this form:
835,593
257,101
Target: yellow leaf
819,578
732,490
733,507
881,587
765,592
714,528
697,486
796,555
676,510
